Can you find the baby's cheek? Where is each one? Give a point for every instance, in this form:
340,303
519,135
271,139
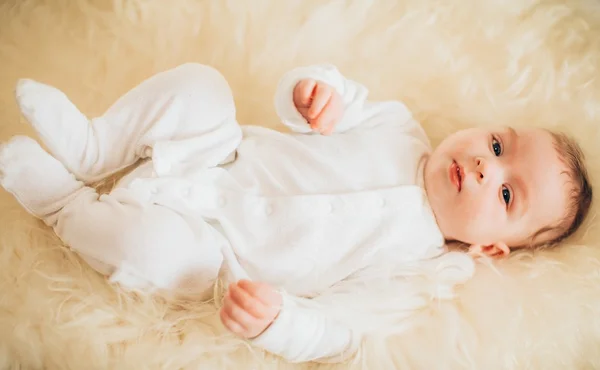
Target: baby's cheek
481,214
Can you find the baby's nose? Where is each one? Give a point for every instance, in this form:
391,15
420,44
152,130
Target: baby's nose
479,169
485,169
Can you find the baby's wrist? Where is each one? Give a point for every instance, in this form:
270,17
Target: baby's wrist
268,326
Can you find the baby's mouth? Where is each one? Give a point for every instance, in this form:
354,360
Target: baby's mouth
456,175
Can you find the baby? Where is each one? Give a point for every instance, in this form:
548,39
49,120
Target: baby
281,215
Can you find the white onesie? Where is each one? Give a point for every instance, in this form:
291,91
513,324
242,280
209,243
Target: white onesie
299,210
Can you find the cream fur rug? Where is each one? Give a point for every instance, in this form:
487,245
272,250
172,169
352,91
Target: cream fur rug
456,64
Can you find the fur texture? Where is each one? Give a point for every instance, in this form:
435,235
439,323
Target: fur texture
455,64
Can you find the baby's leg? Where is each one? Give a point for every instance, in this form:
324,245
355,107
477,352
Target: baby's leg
188,101
137,244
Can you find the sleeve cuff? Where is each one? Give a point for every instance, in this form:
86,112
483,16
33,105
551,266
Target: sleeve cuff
301,334
272,339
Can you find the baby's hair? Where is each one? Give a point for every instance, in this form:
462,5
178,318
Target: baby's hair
580,195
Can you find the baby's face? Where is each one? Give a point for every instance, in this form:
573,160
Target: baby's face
496,186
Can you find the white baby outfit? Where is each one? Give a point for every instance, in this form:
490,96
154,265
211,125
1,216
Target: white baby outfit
299,210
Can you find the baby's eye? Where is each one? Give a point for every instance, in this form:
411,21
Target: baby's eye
506,195
496,147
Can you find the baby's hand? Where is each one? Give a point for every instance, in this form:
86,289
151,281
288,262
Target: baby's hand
320,104
250,308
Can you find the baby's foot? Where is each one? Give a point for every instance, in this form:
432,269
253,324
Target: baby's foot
60,125
36,179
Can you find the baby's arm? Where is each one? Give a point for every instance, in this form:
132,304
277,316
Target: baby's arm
301,334
357,110
283,325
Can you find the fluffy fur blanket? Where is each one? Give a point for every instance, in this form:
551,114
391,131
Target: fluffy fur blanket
454,63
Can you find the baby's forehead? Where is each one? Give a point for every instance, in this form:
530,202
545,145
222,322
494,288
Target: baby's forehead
544,172
538,150
528,131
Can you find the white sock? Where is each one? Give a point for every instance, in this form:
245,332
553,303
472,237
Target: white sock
36,179
61,126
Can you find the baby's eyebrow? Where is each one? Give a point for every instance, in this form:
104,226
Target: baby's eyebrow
513,133
522,197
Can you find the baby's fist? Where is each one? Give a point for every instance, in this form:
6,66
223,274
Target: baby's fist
249,308
320,104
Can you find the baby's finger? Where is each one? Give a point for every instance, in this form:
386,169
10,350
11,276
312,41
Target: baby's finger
321,97
239,315
325,121
250,304
263,292
230,323
303,93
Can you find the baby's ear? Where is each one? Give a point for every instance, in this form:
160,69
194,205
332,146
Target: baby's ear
496,250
